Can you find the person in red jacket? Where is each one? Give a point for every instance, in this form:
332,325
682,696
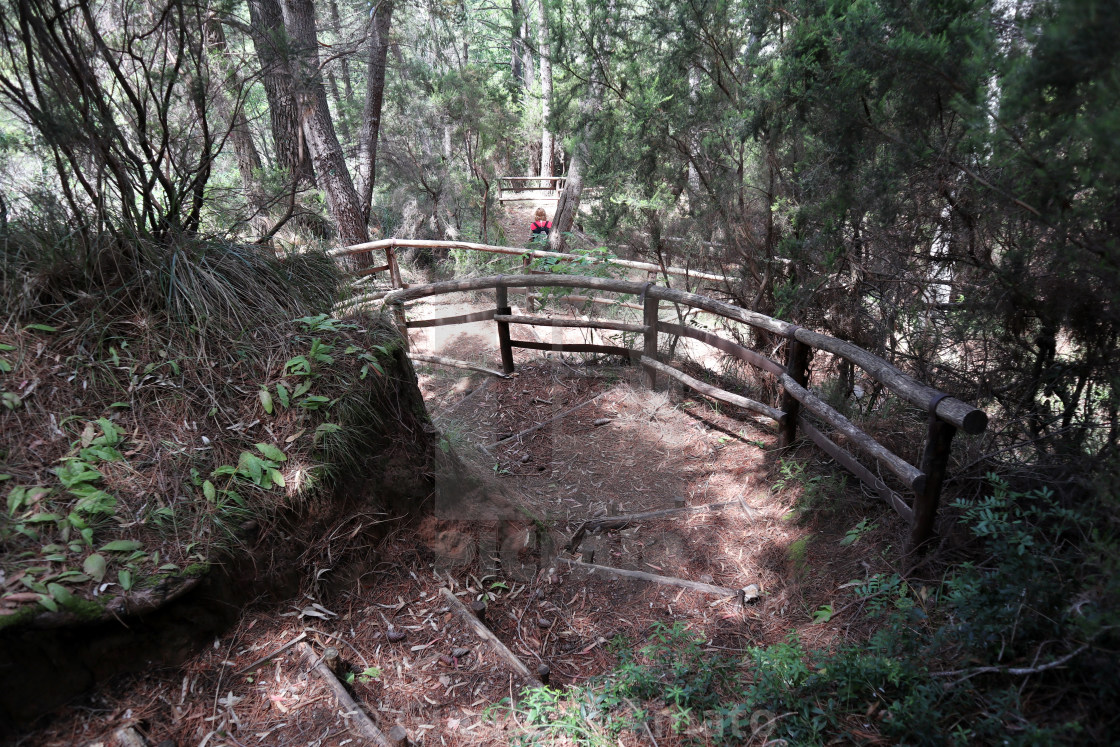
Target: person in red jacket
541,226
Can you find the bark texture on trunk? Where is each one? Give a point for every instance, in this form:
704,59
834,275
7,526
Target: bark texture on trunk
546,92
240,137
318,129
519,49
568,206
380,22
270,40
347,87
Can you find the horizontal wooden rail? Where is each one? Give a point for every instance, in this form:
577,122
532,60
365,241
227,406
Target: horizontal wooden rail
371,270
946,414
515,251
350,303
478,316
573,347
949,409
714,392
521,184
575,300
723,344
544,321
910,475
866,476
608,285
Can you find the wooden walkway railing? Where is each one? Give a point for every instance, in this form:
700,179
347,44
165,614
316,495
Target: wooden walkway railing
946,414
389,246
549,187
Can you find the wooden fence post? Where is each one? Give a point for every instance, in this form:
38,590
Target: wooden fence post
797,366
649,319
402,324
526,264
394,268
501,297
935,461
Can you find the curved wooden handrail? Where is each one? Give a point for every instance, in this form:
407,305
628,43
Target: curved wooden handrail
960,414
946,413
386,244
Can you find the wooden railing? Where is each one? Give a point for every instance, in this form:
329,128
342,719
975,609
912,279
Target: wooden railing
389,246
550,187
946,414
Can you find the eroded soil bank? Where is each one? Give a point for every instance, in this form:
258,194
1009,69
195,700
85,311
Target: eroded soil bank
49,657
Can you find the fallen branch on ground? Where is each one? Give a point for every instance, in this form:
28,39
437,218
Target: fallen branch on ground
621,522
538,426
351,709
667,580
484,633
268,657
453,363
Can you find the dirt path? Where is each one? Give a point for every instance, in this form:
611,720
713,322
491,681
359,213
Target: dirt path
516,217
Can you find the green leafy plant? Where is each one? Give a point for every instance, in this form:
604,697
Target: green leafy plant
366,675
812,492
263,470
853,535
5,364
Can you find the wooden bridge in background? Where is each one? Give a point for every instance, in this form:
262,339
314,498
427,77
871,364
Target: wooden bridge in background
946,414
513,188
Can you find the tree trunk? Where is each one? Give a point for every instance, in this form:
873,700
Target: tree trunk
347,87
515,41
693,140
233,115
568,206
519,49
546,93
380,22
270,41
528,74
318,129
332,79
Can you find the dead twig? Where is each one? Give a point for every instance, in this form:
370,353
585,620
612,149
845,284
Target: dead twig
538,426
268,657
352,710
1016,671
484,633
